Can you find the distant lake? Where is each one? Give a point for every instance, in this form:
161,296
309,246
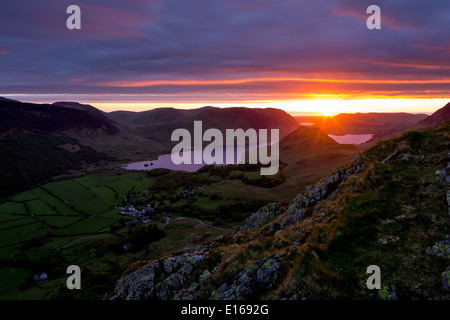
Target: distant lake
351,138
165,161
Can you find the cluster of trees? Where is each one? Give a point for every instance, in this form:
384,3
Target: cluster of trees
264,182
224,171
138,238
179,179
53,265
231,212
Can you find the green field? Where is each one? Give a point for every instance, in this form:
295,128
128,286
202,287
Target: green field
21,233
39,207
23,196
86,226
53,202
83,205
91,205
123,187
87,182
4,217
16,223
11,276
76,220
114,213
107,194
13,207
58,221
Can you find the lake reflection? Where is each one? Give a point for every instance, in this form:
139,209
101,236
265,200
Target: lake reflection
165,161
351,138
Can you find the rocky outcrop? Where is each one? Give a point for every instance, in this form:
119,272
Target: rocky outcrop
160,280
444,174
258,278
387,293
292,219
392,156
261,217
313,194
440,248
269,230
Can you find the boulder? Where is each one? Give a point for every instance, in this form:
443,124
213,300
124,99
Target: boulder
258,278
392,156
440,248
205,275
270,230
444,174
172,273
297,217
313,194
406,157
261,217
387,293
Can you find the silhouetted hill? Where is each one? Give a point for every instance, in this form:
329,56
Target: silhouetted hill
154,116
364,123
37,142
381,125
310,154
158,124
51,118
32,158
436,119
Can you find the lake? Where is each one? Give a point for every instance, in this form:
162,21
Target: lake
351,138
165,161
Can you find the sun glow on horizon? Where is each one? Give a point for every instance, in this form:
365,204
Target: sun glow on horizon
319,105
327,107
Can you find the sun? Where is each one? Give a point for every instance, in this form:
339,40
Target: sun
327,109
327,113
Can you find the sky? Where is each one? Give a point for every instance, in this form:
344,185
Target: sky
297,55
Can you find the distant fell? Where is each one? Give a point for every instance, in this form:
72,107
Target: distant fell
439,117
51,118
158,124
381,125
364,123
155,116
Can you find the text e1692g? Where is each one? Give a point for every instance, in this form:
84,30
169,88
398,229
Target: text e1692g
247,309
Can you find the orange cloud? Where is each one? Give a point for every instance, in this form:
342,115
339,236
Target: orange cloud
149,83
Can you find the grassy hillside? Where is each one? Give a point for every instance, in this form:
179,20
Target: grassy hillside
29,159
389,207
309,154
